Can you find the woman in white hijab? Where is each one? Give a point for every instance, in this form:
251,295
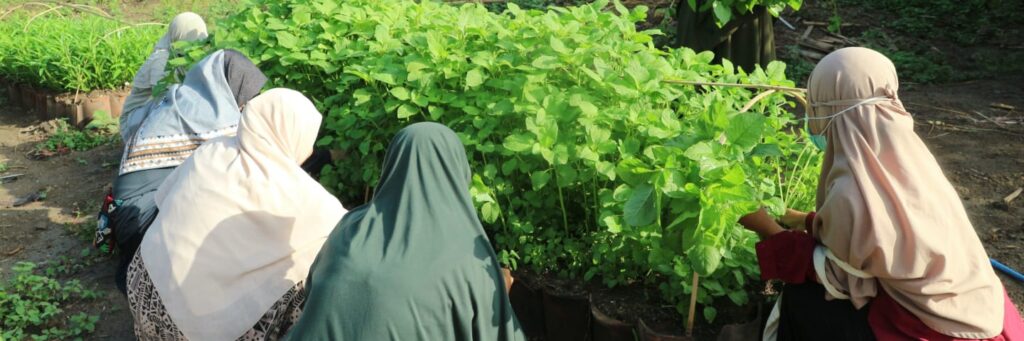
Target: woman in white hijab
891,245
186,26
239,225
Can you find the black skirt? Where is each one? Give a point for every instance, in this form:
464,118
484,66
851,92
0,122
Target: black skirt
806,315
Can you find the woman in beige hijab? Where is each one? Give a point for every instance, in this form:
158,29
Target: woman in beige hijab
890,253
239,224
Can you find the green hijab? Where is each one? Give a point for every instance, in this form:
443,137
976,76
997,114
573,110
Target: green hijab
413,263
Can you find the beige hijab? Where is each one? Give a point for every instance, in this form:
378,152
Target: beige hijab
886,209
240,222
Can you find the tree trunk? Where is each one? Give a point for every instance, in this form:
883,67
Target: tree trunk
747,40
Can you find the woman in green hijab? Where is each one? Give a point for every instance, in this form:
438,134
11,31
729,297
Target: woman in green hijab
414,262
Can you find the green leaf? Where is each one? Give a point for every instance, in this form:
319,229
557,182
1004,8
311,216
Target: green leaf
545,62
613,224
400,93
539,179
489,212
519,143
361,96
705,259
286,40
607,169
558,45
767,150
710,313
474,78
509,166
699,151
722,12
325,141
640,209
566,175
745,129
738,297
776,207
406,111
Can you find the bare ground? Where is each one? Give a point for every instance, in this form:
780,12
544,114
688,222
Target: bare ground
60,226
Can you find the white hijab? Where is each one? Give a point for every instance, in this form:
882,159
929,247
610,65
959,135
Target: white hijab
186,26
240,222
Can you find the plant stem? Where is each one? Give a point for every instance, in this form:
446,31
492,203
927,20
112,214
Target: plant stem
561,201
693,305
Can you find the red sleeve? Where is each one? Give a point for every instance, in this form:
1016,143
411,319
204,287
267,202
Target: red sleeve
809,223
786,256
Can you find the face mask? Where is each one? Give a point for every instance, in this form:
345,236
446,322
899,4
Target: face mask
819,141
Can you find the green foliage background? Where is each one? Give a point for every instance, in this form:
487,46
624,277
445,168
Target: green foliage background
67,52
586,162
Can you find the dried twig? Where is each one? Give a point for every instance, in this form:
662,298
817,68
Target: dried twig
736,85
14,252
822,23
755,99
807,32
788,25
1003,106
27,24
1014,195
131,26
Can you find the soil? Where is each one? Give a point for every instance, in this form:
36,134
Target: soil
61,224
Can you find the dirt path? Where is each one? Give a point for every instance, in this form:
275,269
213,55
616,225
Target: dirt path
982,154
983,159
59,226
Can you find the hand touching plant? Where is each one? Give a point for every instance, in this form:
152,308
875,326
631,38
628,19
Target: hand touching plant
762,223
794,219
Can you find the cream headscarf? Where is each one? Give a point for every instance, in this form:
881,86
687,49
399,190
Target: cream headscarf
186,26
885,208
240,222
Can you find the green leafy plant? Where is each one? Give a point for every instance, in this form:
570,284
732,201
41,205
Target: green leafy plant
66,51
32,306
587,161
726,10
185,55
797,68
835,21
69,138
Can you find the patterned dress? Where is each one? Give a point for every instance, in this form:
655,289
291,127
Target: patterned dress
153,323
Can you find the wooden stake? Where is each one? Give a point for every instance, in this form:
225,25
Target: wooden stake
693,305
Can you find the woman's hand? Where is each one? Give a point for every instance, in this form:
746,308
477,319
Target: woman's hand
794,219
761,223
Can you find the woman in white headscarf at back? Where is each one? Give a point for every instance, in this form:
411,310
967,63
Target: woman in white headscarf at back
890,253
186,26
